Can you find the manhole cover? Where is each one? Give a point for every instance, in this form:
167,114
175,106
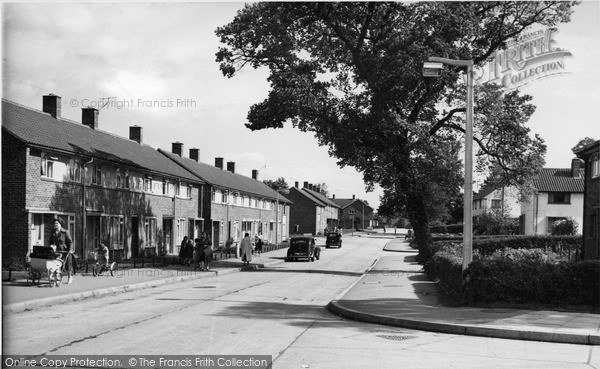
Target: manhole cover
396,337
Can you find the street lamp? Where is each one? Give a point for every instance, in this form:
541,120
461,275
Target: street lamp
434,69
277,215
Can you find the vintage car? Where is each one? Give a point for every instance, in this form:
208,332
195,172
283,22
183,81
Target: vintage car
303,247
333,239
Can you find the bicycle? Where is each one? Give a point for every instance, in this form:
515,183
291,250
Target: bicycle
98,269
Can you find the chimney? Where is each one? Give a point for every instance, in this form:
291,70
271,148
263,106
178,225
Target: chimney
195,154
231,166
51,105
353,197
296,184
333,196
89,117
135,134
177,148
305,185
254,174
219,163
319,189
575,167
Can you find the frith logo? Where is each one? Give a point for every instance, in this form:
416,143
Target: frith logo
530,57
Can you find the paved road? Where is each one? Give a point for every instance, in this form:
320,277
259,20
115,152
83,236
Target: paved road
279,311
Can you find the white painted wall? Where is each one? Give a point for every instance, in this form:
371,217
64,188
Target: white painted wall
537,211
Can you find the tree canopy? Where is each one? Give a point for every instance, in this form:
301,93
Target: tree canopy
351,73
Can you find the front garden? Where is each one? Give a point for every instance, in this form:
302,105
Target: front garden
515,271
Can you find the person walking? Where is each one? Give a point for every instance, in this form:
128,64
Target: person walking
246,247
61,241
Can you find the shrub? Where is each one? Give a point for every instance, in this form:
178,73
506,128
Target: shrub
565,227
489,223
446,267
532,276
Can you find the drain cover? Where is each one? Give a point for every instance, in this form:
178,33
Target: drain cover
395,337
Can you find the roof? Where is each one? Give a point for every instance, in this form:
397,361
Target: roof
224,178
306,194
558,180
321,198
484,191
39,129
344,203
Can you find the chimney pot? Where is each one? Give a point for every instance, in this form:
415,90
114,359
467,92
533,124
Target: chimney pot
51,105
255,174
135,134
195,154
177,148
353,197
89,117
296,184
305,185
219,163
231,166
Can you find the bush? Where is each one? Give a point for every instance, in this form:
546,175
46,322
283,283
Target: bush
532,276
489,223
446,267
565,227
447,228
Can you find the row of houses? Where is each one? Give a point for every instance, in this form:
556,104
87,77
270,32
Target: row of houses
560,193
134,198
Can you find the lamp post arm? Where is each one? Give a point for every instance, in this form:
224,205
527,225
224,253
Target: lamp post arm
456,63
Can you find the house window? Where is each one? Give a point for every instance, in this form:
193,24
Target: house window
165,188
150,232
126,179
148,184
224,197
189,192
178,189
351,211
496,204
119,179
47,169
595,165
559,198
74,170
96,175
214,196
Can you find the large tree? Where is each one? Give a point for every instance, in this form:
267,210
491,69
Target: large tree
351,73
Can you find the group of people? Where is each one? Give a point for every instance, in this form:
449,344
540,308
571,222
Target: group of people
200,252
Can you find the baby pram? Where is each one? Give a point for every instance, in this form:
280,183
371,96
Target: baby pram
44,262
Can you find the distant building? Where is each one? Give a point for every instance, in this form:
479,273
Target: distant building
591,203
238,204
311,212
496,199
355,214
558,195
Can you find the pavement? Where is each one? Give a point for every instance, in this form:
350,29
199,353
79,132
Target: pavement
396,292
393,291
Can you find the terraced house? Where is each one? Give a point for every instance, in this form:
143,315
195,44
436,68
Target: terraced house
105,188
238,204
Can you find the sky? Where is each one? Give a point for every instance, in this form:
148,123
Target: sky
156,61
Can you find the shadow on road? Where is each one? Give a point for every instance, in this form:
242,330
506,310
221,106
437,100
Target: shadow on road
307,271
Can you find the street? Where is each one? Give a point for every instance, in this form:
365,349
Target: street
278,311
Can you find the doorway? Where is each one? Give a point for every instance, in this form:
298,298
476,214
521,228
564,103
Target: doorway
135,236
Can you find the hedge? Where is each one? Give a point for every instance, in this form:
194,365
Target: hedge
568,247
532,276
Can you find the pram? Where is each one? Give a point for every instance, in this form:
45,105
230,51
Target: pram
45,262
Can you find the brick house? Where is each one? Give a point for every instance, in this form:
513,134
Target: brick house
558,195
312,212
591,200
105,188
238,204
355,213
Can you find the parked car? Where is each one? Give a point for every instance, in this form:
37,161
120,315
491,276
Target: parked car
303,247
333,239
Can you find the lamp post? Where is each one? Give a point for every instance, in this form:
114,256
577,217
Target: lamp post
434,69
277,215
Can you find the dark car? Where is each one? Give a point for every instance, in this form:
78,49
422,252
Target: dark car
303,247
333,239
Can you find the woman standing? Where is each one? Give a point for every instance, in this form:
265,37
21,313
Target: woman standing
207,249
246,247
